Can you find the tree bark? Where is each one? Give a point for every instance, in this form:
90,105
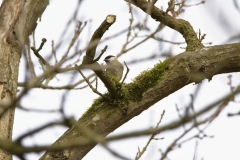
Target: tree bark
17,21
103,118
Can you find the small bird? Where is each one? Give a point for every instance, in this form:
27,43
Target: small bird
113,67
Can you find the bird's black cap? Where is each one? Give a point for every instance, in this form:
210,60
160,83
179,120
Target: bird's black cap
108,57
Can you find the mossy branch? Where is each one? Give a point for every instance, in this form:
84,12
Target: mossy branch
180,25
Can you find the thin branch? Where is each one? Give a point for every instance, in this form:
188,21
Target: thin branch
37,110
126,73
170,147
140,153
163,40
66,87
129,29
76,35
36,52
20,138
180,116
190,5
96,37
89,84
100,55
196,125
96,83
29,63
145,39
233,114
54,52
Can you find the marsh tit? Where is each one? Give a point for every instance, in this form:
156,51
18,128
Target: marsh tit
113,67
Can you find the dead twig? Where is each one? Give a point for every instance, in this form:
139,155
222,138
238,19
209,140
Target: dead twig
36,52
100,55
93,89
126,73
140,153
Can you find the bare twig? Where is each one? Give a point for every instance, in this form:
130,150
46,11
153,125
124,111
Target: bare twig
170,147
29,60
93,89
230,83
145,39
196,125
163,40
76,35
129,31
179,115
195,151
36,52
54,52
171,6
36,110
126,73
234,114
66,87
140,153
96,82
19,139
202,2
100,55
200,36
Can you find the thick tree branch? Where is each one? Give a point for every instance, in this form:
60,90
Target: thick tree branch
166,78
92,45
